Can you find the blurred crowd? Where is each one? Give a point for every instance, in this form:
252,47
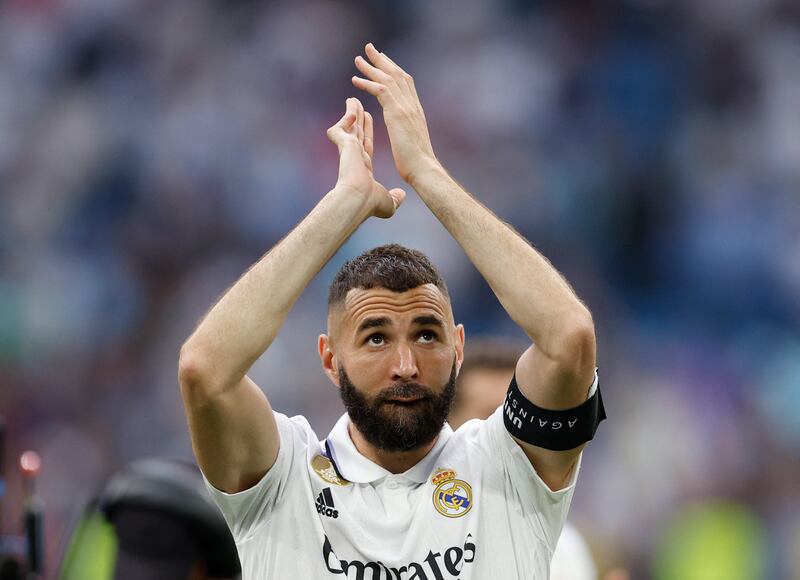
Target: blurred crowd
150,151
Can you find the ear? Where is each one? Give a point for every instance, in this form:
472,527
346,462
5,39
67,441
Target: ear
328,358
459,335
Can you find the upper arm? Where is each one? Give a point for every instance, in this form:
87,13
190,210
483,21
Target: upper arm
557,382
234,433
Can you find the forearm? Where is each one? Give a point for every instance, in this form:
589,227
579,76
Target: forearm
245,321
530,289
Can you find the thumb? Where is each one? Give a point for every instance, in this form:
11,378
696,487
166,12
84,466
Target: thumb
338,132
398,197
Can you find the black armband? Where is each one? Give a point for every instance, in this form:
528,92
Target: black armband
555,430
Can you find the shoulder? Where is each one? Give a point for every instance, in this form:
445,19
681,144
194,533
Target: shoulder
295,427
486,433
298,441
476,441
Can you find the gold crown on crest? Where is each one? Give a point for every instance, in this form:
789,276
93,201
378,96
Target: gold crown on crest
442,475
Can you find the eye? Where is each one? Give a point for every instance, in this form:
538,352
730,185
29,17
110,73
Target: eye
428,336
375,339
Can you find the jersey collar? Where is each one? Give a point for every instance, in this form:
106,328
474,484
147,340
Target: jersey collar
354,467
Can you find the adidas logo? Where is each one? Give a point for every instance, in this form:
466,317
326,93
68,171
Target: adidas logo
325,504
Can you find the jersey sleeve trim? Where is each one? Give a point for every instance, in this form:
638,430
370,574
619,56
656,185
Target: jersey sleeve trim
249,509
530,488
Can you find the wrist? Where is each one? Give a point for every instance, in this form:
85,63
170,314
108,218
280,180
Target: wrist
353,198
430,169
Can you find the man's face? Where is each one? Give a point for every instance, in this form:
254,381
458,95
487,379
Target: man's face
402,417
395,357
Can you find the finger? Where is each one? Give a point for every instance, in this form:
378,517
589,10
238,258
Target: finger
340,137
398,196
379,59
359,121
387,66
337,133
369,139
383,62
375,89
341,127
401,72
391,62
347,119
371,72
389,201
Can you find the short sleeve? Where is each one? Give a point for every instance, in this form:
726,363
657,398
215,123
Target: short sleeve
248,510
547,508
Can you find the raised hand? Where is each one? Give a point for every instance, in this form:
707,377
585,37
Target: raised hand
402,111
353,135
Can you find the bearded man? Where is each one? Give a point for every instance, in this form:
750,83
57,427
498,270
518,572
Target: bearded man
393,492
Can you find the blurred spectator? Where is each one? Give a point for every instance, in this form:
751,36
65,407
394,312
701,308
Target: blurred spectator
153,520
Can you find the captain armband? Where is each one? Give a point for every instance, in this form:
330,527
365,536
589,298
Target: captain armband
555,430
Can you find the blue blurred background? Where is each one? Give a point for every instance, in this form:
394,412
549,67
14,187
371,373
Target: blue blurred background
150,151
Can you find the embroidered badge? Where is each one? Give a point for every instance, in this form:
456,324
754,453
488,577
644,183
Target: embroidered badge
323,467
452,497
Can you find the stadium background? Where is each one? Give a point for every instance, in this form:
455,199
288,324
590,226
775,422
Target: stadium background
150,151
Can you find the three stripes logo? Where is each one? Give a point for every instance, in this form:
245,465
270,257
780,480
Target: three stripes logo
325,504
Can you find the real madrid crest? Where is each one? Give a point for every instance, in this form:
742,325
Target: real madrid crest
452,497
323,467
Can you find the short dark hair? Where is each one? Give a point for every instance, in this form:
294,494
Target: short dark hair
390,266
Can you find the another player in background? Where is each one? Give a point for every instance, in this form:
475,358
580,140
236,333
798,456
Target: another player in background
481,388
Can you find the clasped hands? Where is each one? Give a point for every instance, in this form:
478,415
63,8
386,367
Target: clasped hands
405,123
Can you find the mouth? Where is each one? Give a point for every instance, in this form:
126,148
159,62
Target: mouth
404,400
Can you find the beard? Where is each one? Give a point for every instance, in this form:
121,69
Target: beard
394,426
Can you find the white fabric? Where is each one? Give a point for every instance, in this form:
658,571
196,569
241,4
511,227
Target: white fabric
595,385
387,526
572,559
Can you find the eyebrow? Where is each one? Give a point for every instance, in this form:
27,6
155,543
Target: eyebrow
381,321
368,323
428,321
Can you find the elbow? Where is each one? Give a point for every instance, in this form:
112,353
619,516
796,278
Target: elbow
194,375
578,351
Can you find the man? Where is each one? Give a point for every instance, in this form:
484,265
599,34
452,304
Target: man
487,370
481,387
393,492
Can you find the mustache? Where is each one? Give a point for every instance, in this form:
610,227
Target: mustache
404,390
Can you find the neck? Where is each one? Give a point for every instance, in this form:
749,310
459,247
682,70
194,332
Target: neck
391,461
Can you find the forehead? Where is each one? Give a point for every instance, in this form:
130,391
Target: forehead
426,299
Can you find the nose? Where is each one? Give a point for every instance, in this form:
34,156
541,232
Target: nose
405,366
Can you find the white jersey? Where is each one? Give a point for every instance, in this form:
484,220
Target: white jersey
472,508
572,559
